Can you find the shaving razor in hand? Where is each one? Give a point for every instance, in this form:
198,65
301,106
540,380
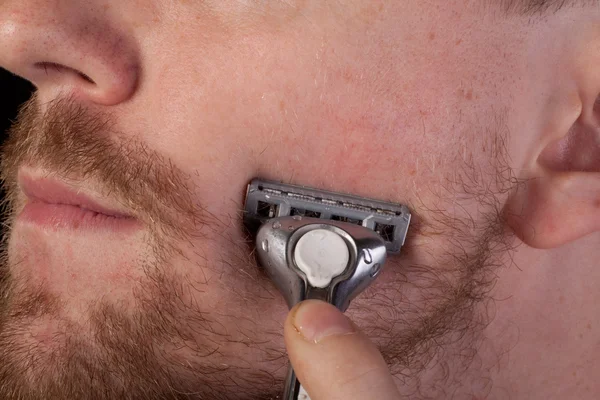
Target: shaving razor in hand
316,244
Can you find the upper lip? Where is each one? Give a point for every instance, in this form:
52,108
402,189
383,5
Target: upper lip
52,191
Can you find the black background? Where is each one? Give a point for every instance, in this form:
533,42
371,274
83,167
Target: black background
13,92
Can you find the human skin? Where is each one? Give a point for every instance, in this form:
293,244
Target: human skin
485,124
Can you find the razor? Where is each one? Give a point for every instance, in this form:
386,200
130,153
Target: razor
317,244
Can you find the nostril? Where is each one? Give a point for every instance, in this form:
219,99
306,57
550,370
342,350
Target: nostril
69,51
46,65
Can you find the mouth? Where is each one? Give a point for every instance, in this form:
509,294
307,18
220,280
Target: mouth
54,204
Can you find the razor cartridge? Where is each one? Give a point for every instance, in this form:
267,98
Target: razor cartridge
266,200
321,245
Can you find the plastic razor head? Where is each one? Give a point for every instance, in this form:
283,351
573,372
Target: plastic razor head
266,200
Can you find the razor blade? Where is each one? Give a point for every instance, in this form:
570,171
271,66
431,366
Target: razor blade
266,200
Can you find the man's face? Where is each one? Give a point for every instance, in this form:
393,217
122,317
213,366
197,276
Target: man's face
181,105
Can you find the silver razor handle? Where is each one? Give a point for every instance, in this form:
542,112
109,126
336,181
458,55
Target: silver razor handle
310,258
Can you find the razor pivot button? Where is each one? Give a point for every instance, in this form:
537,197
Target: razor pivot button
322,255
309,258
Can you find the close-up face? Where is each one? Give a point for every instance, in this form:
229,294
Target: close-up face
127,272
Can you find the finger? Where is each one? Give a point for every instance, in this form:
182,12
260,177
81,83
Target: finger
332,358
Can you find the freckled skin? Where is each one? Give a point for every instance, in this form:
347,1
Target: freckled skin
396,100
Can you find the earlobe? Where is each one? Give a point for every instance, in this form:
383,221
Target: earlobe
555,209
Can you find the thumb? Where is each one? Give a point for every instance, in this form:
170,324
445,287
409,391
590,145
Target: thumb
332,359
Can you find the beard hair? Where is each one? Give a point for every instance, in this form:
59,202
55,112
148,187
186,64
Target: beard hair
432,334
165,346
426,318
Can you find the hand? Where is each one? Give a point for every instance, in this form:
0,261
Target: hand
332,359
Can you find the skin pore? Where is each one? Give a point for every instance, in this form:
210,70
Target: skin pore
455,109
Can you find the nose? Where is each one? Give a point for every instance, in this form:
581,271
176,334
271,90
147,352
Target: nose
68,47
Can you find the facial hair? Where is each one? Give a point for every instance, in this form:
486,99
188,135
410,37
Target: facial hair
420,310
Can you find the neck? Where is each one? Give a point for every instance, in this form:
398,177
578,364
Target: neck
544,332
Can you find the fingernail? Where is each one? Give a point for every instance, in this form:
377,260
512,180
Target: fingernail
316,320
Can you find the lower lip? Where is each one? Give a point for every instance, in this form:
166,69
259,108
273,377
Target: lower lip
62,216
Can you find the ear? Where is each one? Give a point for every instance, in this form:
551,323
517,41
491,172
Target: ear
558,200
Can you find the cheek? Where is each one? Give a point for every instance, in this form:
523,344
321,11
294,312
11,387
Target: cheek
303,113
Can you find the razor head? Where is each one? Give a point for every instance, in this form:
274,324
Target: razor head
267,199
344,258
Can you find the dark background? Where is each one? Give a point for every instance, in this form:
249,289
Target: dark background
13,92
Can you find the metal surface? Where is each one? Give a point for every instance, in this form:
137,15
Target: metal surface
266,200
276,241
